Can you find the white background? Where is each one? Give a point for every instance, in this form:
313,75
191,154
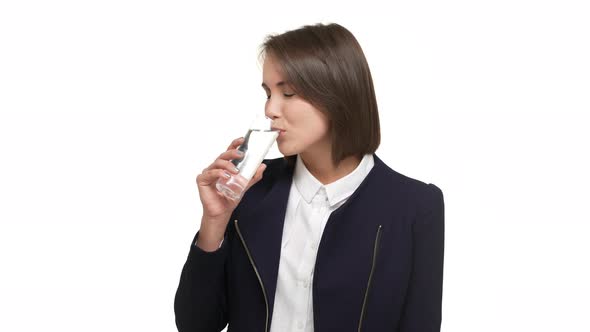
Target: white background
110,109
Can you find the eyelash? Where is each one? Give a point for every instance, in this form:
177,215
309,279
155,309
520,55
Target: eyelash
284,94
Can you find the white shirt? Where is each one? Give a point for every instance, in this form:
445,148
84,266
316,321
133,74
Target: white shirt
308,208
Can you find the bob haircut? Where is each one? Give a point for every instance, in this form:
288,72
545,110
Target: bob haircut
325,65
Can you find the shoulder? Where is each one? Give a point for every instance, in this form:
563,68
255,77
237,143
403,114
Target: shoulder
405,183
382,176
383,184
419,195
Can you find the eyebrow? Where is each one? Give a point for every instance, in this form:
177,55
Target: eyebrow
281,83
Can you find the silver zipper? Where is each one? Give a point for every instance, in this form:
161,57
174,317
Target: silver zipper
256,271
376,245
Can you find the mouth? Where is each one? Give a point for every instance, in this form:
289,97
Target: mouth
281,133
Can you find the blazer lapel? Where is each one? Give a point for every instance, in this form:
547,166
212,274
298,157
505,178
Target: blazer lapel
262,229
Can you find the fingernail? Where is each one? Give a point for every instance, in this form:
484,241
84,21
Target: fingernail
241,153
227,175
236,170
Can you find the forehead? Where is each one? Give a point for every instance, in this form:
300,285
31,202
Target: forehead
272,73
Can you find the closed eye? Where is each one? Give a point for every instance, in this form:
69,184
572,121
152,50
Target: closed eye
284,94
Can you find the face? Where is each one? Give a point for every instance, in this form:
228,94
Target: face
305,128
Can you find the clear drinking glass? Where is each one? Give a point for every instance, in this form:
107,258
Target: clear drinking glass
257,142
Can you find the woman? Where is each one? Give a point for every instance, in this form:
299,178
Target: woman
328,238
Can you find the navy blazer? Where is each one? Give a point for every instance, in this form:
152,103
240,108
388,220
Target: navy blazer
379,264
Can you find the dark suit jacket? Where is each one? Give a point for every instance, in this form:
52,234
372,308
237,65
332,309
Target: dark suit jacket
379,264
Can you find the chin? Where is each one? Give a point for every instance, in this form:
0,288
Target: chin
286,151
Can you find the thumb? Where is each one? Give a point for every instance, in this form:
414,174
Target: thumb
260,171
257,176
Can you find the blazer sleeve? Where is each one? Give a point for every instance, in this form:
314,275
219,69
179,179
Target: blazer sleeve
201,303
422,309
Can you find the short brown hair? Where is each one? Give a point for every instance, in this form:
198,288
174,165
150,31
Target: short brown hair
326,66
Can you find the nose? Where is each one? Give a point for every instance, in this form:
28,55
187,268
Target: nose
272,109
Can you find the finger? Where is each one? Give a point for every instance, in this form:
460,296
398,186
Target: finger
231,154
224,164
210,176
228,154
225,157
235,143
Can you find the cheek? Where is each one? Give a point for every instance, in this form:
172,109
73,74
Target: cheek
306,126
315,125
304,118
308,131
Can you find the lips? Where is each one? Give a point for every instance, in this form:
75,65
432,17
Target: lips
281,132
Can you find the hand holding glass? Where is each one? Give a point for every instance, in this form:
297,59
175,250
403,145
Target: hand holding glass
257,142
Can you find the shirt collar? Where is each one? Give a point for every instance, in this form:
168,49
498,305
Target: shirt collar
308,186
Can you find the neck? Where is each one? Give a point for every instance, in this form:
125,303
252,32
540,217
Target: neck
321,167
